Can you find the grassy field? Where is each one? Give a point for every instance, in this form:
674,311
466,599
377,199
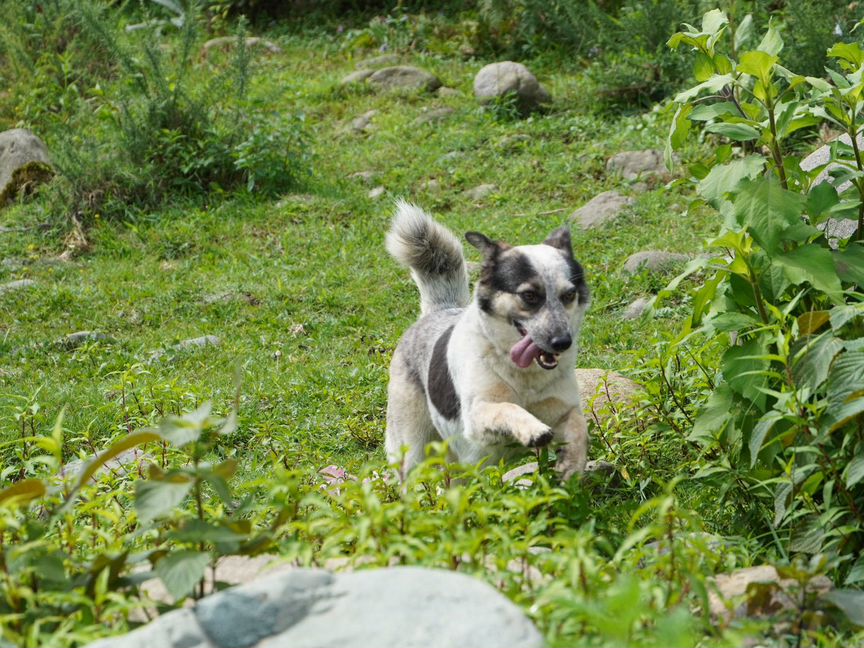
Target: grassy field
307,308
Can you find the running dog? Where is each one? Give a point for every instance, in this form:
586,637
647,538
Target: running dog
493,373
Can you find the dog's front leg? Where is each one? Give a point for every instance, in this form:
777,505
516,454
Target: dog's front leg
572,433
491,423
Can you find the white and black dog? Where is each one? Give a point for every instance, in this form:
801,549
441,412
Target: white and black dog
493,373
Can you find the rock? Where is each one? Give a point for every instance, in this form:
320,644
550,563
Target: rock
498,80
126,463
366,177
356,77
363,122
444,92
450,156
400,607
187,345
758,591
636,309
641,187
653,260
74,340
13,264
480,191
376,193
513,141
519,474
434,116
836,229
600,467
604,392
633,164
224,42
432,184
18,284
403,77
601,209
24,163
378,61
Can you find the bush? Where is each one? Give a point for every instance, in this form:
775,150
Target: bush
782,303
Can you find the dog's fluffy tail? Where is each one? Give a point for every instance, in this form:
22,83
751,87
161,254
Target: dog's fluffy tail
434,256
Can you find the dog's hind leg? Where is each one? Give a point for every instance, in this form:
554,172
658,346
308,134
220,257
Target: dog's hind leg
409,425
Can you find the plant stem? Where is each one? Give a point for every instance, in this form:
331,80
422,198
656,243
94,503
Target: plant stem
859,183
776,153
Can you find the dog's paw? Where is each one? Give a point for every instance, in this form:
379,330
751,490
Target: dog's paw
539,439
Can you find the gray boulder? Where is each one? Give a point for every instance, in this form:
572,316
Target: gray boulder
480,191
601,209
404,77
636,309
401,607
24,163
605,393
835,228
358,76
434,116
634,164
378,61
18,284
498,80
653,260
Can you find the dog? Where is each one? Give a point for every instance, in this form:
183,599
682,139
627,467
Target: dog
491,374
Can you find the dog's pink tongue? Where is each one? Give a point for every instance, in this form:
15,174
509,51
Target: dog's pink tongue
524,352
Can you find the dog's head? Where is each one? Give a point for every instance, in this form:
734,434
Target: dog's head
532,297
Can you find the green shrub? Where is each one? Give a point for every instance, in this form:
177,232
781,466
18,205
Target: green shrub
784,308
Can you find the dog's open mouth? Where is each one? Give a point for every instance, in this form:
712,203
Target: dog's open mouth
525,351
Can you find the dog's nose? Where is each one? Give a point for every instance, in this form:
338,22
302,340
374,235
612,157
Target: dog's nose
561,343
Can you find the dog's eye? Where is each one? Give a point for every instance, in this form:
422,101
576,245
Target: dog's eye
531,297
568,296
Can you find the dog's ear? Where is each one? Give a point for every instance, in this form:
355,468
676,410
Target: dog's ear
483,243
560,239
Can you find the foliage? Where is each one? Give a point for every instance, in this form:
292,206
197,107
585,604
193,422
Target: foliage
784,420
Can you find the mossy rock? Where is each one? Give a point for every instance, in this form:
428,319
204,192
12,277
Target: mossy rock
24,164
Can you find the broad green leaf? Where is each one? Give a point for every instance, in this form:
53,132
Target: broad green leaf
850,263
126,443
841,315
743,32
725,178
181,570
814,264
196,530
854,471
846,378
715,83
736,132
713,416
757,64
811,367
713,21
744,368
156,497
838,416
766,210
771,43
850,602
181,430
711,111
856,574
781,495
678,131
760,430
703,67
821,198
851,52
820,84
23,491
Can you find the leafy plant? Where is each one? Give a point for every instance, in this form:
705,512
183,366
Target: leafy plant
784,419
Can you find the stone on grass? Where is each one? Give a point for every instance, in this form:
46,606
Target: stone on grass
225,42
633,164
363,122
358,76
653,260
378,61
836,229
480,191
445,92
187,345
24,163
601,209
366,177
506,78
400,607
451,156
434,115
605,392
74,340
758,591
18,284
636,309
404,77
376,193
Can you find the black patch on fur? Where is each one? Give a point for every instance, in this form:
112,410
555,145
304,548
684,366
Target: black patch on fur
442,393
505,271
541,440
577,276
